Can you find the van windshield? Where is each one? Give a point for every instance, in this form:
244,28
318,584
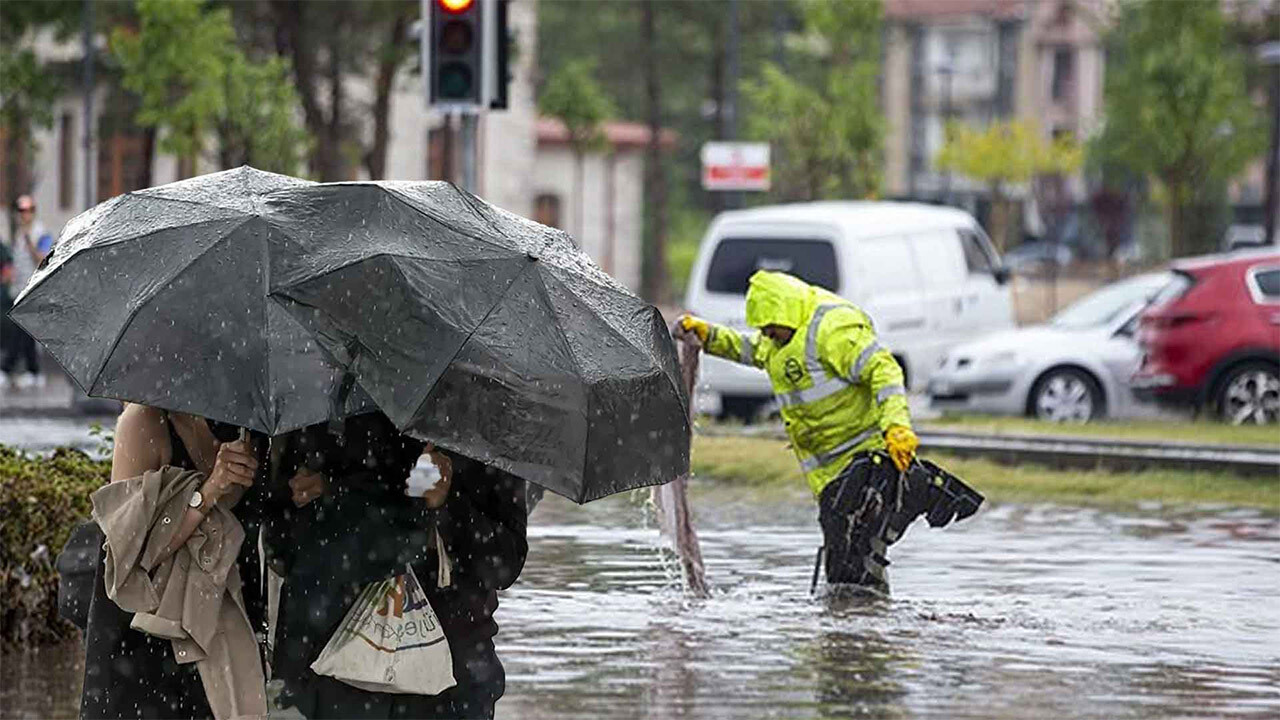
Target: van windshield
737,258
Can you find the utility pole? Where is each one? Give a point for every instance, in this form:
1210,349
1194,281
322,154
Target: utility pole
732,200
86,69
947,71
1270,57
468,122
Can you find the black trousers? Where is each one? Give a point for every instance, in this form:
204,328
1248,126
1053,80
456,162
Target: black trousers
869,507
852,510
17,346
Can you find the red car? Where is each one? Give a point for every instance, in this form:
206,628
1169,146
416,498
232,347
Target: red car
1211,338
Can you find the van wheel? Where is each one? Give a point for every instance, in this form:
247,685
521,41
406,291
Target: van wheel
1066,395
1250,394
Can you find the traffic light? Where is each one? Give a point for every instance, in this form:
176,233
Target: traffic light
457,37
467,54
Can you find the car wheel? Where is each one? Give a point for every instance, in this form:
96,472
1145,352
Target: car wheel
1250,393
1066,395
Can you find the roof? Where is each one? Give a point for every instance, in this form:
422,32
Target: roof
619,133
934,9
1243,256
862,217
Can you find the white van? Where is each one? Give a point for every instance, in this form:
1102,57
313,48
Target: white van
926,275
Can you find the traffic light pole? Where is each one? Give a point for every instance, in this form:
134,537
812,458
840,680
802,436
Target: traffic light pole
468,122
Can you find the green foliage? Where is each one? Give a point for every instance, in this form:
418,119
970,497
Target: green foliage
823,117
177,64
29,87
1006,152
1176,104
27,93
687,227
41,500
193,79
767,463
259,125
574,97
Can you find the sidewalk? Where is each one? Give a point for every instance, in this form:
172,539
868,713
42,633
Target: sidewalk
58,398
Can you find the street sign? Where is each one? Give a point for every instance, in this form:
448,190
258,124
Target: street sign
735,166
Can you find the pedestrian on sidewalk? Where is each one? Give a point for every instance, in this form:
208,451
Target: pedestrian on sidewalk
28,247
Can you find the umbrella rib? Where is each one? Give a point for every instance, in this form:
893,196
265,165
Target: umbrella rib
406,202
467,339
159,287
470,201
555,317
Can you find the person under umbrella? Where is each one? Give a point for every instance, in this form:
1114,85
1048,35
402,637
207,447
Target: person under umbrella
169,631
350,523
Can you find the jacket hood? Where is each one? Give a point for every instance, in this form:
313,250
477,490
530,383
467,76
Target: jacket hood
775,298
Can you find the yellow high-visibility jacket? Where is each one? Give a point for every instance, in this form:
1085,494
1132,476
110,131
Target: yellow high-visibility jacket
838,387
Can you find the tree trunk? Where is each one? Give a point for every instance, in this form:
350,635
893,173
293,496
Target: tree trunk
148,156
375,161
999,219
1176,214
295,41
653,281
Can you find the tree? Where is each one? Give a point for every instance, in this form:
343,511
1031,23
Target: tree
822,115
330,46
573,96
28,86
193,80
1002,155
1177,109
259,125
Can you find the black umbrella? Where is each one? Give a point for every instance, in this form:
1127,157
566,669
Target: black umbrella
485,332
160,297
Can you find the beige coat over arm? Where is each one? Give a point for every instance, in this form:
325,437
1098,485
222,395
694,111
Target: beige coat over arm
193,597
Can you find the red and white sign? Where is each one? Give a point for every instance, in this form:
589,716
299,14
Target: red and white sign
735,166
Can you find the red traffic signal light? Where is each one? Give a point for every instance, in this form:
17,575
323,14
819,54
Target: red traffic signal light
455,6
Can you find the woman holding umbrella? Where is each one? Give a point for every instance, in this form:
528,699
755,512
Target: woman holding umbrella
353,524
137,664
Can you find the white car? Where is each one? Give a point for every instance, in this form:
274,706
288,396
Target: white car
926,275
1075,368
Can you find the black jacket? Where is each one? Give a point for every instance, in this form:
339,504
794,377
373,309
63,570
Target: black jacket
365,530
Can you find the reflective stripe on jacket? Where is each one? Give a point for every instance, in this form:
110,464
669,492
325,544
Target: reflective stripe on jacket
839,389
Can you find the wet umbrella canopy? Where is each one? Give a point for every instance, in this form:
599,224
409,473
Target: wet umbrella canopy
485,332
160,297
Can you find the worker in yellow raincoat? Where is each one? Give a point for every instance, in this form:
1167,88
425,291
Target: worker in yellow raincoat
841,395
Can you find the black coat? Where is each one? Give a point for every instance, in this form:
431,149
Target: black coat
365,529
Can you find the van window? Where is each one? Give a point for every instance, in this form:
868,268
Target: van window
887,266
939,257
736,259
976,257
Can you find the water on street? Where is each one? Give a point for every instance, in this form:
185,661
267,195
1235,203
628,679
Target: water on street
1021,611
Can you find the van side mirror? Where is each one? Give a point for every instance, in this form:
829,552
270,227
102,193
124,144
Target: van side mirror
1002,275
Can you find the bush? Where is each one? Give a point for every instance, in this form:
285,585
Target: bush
41,500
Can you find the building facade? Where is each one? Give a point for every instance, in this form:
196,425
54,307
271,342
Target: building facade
979,61
523,163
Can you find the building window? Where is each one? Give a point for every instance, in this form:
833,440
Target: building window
121,164
1063,69
66,161
546,209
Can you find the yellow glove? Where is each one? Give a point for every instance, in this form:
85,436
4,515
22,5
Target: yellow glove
902,444
695,325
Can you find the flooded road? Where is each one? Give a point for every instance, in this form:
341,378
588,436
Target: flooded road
1020,611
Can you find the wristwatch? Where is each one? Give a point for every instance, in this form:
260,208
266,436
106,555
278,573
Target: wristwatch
196,501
